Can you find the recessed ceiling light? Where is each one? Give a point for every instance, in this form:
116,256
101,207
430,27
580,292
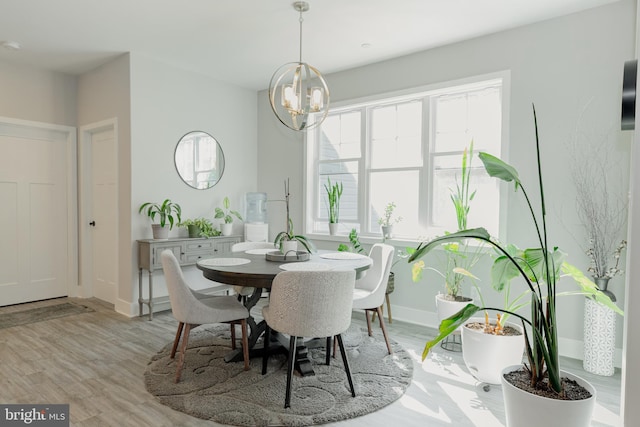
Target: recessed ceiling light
11,45
365,45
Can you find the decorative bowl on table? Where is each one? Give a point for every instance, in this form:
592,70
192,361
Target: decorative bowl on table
288,257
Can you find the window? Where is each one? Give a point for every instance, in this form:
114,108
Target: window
407,149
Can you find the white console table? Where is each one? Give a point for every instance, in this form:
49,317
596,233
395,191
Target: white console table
188,251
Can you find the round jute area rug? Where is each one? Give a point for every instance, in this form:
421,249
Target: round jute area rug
223,392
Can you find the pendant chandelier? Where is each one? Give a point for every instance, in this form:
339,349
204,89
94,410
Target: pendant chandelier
298,93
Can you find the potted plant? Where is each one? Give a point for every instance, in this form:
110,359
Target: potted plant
334,192
167,211
287,241
226,214
602,212
200,227
387,220
533,394
355,245
460,256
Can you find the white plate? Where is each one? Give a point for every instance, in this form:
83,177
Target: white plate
223,262
261,251
305,266
342,255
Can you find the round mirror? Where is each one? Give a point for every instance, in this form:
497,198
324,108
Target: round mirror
199,160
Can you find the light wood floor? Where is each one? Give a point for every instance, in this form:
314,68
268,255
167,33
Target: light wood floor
95,362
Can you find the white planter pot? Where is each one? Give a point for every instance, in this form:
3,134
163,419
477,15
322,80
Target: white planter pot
160,233
333,228
599,338
486,355
447,308
289,247
387,231
226,229
523,409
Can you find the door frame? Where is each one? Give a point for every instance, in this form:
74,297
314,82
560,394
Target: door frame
86,133
33,129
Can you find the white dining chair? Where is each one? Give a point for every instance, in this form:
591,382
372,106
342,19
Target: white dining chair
191,311
369,292
244,291
309,304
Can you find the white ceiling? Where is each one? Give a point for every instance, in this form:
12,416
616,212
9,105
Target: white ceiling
245,41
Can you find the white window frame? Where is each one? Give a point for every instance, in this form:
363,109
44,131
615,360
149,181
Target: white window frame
311,175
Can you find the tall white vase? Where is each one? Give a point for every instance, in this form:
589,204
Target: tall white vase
599,338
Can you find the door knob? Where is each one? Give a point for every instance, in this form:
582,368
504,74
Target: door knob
92,223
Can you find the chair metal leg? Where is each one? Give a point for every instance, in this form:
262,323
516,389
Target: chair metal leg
177,340
335,345
245,343
346,364
328,351
183,350
384,330
292,357
265,351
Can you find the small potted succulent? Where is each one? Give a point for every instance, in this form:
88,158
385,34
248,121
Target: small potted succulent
388,220
334,192
226,214
166,212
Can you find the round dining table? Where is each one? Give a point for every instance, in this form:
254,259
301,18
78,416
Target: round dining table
253,269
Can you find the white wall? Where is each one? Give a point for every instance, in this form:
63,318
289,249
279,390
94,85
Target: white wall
104,93
166,103
28,93
561,65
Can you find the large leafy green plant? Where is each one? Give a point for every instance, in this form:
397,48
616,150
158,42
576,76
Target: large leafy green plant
539,267
165,211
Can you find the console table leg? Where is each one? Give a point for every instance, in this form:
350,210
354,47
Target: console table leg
150,303
140,292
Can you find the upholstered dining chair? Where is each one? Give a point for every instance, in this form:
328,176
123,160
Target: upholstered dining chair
191,311
309,304
244,291
369,292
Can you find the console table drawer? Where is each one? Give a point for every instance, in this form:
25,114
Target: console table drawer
199,246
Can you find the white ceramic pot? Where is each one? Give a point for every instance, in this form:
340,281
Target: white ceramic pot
486,355
225,228
333,228
289,247
447,308
523,409
387,231
159,232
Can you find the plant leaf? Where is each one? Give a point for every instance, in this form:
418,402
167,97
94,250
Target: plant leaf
425,247
450,324
589,288
498,169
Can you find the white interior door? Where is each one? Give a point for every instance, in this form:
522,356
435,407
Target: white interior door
36,257
99,221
